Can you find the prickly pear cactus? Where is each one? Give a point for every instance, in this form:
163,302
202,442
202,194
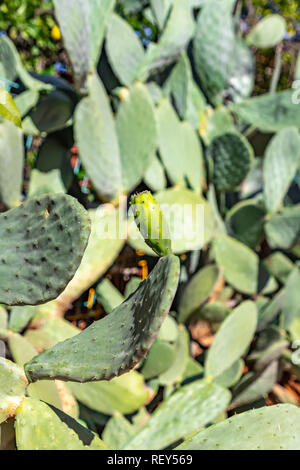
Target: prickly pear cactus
154,95
115,344
268,428
231,155
42,242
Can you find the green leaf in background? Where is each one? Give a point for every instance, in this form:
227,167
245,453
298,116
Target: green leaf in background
270,112
175,37
124,394
154,176
8,108
283,229
11,163
198,290
12,388
232,339
124,50
245,222
43,183
290,306
136,130
240,264
118,431
175,372
214,47
96,138
187,410
161,10
267,32
83,26
230,376
281,162
179,148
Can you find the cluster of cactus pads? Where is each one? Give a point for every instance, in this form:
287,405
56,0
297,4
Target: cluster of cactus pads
210,336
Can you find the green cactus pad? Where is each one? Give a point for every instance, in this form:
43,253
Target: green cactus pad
283,229
83,26
116,343
45,183
176,35
174,374
198,291
108,295
11,163
42,242
268,32
41,427
12,388
48,391
232,339
159,359
190,408
118,431
231,154
270,112
245,222
151,223
215,47
124,50
96,139
124,394
281,161
240,265
137,135
268,428
106,241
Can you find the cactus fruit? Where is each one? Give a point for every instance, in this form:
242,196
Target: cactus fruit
50,248
151,223
140,317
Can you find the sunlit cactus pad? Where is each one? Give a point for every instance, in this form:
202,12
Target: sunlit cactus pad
41,245
118,342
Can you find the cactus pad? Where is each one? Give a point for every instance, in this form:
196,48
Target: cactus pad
118,342
12,388
190,408
231,154
269,428
41,427
42,242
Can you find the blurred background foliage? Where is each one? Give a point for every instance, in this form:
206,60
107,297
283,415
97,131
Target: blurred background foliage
31,25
